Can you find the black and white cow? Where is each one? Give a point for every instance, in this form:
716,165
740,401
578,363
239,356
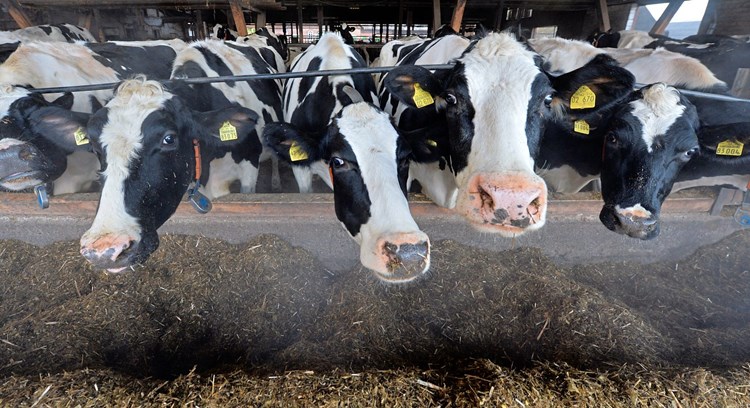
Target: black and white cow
637,147
486,115
333,126
147,133
38,65
219,32
647,65
273,49
36,139
55,32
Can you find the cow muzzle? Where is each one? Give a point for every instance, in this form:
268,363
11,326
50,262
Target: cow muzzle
506,203
115,252
634,221
399,257
21,166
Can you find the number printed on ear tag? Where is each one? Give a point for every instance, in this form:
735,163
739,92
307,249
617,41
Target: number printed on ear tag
227,132
729,148
297,153
581,126
421,97
583,98
80,136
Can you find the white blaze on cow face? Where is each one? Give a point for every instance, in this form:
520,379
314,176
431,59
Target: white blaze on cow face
657,111
391,243
114,230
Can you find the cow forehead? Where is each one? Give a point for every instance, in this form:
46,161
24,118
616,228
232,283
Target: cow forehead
498,60
368,131
657,110
121,135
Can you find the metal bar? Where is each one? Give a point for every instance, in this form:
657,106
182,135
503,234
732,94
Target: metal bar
705,95
208,80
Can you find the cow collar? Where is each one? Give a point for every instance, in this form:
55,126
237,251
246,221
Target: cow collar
200,202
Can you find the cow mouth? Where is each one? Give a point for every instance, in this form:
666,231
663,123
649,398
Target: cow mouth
629,227
23,179
136,254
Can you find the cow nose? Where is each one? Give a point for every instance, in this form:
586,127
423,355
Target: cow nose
637,222
514,201
402,257
25,153
105,251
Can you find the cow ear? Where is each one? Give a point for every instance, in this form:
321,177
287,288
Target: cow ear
227,126
597,86
61,126
291,145
730,141
413,85
65,101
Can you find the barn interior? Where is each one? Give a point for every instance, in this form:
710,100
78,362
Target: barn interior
263,301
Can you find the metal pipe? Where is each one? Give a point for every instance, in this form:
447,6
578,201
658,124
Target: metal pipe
208,80
705,95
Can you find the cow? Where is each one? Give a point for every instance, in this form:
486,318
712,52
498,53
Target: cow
37,140
637,147
149,140
38,65
273,48
55,32
648,65
622,39
219,32
333,126
486,116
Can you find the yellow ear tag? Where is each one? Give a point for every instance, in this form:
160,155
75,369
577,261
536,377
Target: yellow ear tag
80,136
729,148
227,132
421,97
297,153
581,126
431,142
583,98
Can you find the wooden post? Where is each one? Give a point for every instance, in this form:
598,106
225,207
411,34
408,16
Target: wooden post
239,17
85,20
398,33
387,28
17,13
381,34
98,26
409,21
199,33
709,18
499,15
602,14
320,21
661,24
435,15
260,20
741,86
299,21
458,15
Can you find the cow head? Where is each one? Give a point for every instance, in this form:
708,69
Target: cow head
35,137
495,101
145,138
648,141
604,39
368,163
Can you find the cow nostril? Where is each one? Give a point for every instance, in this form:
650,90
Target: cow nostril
487,201
25,154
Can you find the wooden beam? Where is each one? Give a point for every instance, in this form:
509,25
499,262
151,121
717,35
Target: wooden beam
602,14
98,29
436,18
661,24
260,20
397,32
709,18
199,33
239,17
458,15
499,15
409,21
17,14
85,20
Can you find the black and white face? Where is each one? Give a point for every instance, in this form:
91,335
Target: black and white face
144,140
368,164
650,139
36,136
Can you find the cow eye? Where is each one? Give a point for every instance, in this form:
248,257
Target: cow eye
337,162
450,99
689,154
168,139
611,138
548,100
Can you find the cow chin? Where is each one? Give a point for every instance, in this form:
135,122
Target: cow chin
634,227
23,180
397,258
